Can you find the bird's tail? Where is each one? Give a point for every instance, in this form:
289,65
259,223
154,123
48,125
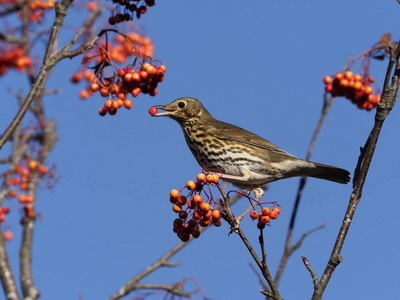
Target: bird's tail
329,173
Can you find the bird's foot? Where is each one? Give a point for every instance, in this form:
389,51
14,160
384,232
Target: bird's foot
258,193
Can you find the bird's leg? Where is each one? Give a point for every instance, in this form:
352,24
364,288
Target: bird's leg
259,193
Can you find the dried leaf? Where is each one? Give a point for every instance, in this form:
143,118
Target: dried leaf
385,40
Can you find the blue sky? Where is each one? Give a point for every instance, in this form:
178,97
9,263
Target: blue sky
258,65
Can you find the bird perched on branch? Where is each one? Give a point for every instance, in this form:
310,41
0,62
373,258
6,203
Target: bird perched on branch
245,159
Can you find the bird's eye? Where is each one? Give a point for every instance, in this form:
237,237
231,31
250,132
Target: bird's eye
181,104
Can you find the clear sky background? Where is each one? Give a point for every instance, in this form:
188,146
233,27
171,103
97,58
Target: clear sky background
258,65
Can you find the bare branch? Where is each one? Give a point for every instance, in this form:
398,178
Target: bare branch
308,266
388,100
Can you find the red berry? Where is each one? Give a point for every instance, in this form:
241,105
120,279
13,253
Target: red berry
254,214
153,111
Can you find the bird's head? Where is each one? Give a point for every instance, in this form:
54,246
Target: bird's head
183,109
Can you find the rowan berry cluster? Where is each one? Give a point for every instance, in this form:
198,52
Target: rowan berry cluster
37,9
13,58
265,216
143,80
194,210
125,10
142,75
355,87
18,184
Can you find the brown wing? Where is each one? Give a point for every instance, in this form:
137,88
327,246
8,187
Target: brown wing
234,133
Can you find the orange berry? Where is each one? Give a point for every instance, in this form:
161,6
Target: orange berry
191,185
344,82
13,181
339,76
32,164
135,76
277,209
210,178
115,104
205,207
108,103
104,92
174,194
94,87
357,85
265,211
368,90
143,74
273,214
182,200
357,77
348,74
327,79
22,198
254,214
197,199
12,193
371,79
76,77
2,218
201,177
91,5
176,208
264,219
23,186
8,235
216,178
84,94
128,104
5,210
135,92
216,214
88,74
161,69
29,199
42,169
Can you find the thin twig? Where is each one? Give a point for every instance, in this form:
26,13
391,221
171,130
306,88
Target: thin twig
328,101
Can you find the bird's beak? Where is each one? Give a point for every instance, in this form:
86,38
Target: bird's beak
168,111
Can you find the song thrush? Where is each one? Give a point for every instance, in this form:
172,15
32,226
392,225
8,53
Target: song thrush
245,159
